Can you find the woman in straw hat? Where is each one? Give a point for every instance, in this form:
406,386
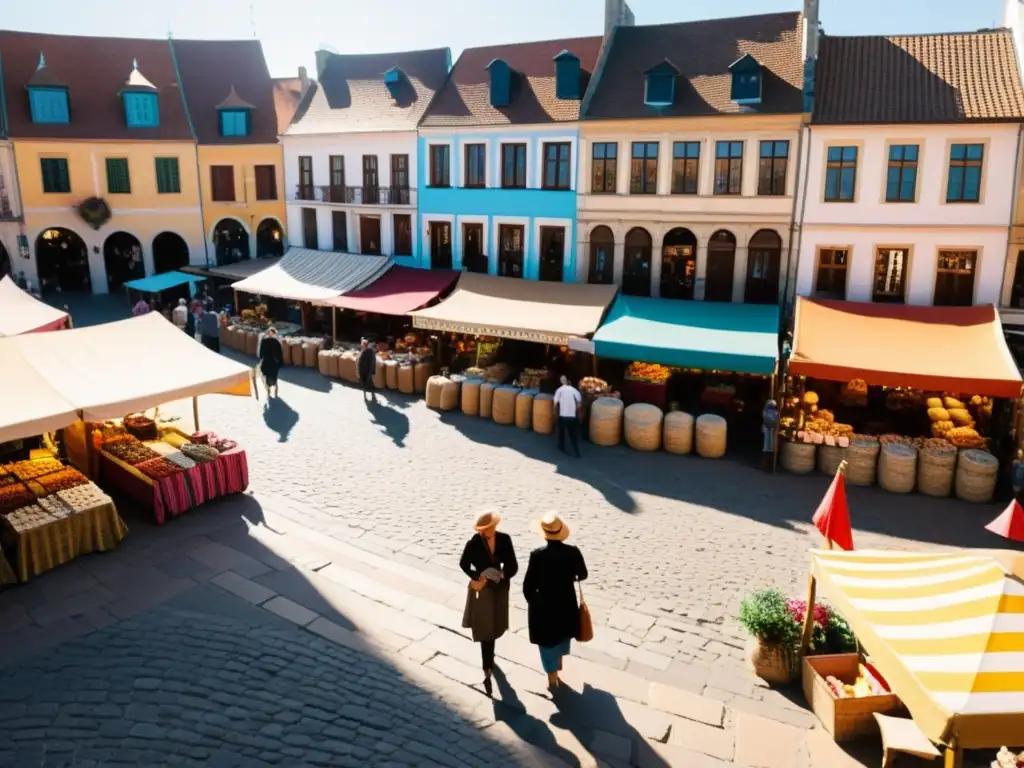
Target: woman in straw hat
550,590
490,562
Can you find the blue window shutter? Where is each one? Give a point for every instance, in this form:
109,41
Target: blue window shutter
234,122
501,83
660,89
567,77
49,105
141,110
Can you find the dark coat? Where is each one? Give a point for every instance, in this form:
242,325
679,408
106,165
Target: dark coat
486,611
550,591
271,355
367,363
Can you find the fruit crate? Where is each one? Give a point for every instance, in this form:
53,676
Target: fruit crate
844,719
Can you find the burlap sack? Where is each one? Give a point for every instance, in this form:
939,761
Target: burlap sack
543,414
379,375
524,409
422,372
433,391
391,374
406,379
322,361
486,399
450,394
286,352
471,397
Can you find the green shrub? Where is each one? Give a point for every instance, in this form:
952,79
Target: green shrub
765,615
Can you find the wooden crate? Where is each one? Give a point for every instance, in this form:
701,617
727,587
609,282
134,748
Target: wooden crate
845,719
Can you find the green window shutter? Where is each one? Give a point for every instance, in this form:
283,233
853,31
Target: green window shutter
55,175
118,180
168,180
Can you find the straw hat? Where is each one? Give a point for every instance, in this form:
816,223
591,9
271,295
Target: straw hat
553,528
486,521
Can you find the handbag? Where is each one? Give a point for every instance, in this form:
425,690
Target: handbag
585,633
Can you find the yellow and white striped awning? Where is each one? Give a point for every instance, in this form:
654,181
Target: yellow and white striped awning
945,630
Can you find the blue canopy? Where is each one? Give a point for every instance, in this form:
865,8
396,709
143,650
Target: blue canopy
742,338
161,282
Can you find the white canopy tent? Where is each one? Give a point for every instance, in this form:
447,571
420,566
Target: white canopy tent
21,312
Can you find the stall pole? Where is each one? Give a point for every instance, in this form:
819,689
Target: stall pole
334,324
593,366
238,307
808,629
71,323
195,412
954,755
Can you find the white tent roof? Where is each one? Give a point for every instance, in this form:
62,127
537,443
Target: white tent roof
21,312
306,275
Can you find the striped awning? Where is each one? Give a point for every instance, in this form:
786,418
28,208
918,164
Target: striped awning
945,630
303,274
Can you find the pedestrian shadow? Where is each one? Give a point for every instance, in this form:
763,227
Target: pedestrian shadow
392,422
279,417
509,709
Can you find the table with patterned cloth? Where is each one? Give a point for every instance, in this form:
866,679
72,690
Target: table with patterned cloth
40,549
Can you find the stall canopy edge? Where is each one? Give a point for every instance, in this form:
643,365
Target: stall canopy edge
20,312
162,282
304,274
398,291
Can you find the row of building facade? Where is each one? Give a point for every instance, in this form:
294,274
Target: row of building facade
737,160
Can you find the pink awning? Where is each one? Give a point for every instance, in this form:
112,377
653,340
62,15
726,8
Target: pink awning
398,291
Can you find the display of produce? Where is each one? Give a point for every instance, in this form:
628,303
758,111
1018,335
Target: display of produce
14,496
650,372
212,439
7,480
158,468
30,470
84,497
200,453
62,480
903,399
530,378
591,385
129,450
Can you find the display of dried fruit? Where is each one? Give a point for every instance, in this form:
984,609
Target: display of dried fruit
7,480
965,437
951,402
892,439
130,452
84,497
27,517
901,399
591,385
961,417
222,444
940,428
14,496
65,478
29,470
821,426
200,453
938,414
935,446
864,439
158,468
651,372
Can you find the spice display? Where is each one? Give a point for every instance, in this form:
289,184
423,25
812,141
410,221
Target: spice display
140,426
650,372
84,497
13,496
129,450
29,470
7,479
222,444
28,517
158,468
935,446
59,481
200,453
855,393
55,506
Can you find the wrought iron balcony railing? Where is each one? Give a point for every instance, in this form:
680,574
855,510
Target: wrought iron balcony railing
364,195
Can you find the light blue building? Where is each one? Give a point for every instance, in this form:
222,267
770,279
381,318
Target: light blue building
498,158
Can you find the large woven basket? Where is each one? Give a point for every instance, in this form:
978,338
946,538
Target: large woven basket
391,374
524,408
503,405
334,364
451,393
797,457
861,461
897,468
347,367
286,351
486,399
976,474
422,372
471,397
543,414
295,349
642,425
711,436
433,393
606,421
406,380
321,360
935,472
311,351
677,432
829,458
380,376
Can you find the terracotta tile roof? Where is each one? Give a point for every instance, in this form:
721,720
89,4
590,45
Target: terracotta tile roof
287,94
465,99
210,69
944,78
94,69
351,96
702,52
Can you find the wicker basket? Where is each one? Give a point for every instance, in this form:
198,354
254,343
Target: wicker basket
642,425
391,374
503,405
295,351
861,461
422,372
935,472
321,361
677,433
310,350
471,397
543,414
844,719
829,458
486,399
406,380
606,421
433,392
450,394
524,408
797,457
380,380
252,342
347,370
711,436
897,468
976,474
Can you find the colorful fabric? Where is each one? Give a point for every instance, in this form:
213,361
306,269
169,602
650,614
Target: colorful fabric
551,658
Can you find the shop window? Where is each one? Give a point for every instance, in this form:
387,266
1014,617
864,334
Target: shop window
901,175
602,168
643,175
222,183
954,281
831,280
339,229
685,167
602,256
678,264
510,250
636,263
556,165
476,166
439,165
552,253
473,257
890,275
840,174
773,165
728,168
964,182
721,266
403,234
764,257
513,166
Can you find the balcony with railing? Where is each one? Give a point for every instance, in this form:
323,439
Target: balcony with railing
355,195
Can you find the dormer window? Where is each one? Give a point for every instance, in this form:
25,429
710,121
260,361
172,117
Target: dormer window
501,83
660,85
235,115
567,76
747,76
394,79
141,107
48,96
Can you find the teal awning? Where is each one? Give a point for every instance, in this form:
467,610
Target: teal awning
161,282
743,338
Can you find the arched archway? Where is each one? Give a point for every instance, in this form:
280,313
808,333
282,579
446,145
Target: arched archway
678,264
602,256
230,241
269,239
62,261
764,256
5,263
721,266
636,263
122,256
170,252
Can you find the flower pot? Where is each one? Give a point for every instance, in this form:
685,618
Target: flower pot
774,664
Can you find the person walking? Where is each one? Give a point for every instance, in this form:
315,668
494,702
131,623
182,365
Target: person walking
210,329
489,561
567,404
180,315
367,365
271,357
553,612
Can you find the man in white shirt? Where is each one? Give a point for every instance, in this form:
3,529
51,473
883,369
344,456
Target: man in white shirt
567,402
180,314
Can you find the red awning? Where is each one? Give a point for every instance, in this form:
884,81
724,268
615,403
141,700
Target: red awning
398,291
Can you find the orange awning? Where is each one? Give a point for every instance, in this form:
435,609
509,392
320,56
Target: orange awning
952,349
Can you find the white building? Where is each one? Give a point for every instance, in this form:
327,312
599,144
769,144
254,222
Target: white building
909,189
11,222
350,153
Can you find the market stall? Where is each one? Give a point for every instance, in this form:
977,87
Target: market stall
896,388
21,312
944,632
167,287
220,279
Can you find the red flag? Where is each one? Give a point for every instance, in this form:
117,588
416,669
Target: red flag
833,515
1010,524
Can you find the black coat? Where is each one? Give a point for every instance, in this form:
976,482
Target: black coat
486,612
271,355
550,591
367,364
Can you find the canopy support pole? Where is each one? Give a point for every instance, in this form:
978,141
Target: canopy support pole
808,629
954,757
238,307
334,324
195,412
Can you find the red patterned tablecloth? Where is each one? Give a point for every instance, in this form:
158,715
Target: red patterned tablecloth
634,391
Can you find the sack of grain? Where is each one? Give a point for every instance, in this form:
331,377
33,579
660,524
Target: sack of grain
642,426
503,405
976,475
711,436
380,376
829,458
797,457
406,380
897,468
524,408
321,360
391,374
486,399
935,470
471,397
309,354
450,395
606,421
677,433
433,392
347,367
543,414
286,352
422,372
861,461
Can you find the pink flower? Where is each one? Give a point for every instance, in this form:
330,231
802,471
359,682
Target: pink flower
798,609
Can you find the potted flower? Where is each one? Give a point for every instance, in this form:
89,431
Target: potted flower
830,633
772,649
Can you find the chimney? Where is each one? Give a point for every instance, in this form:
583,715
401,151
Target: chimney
303,79
616,14
321,62
812,34
1013,16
